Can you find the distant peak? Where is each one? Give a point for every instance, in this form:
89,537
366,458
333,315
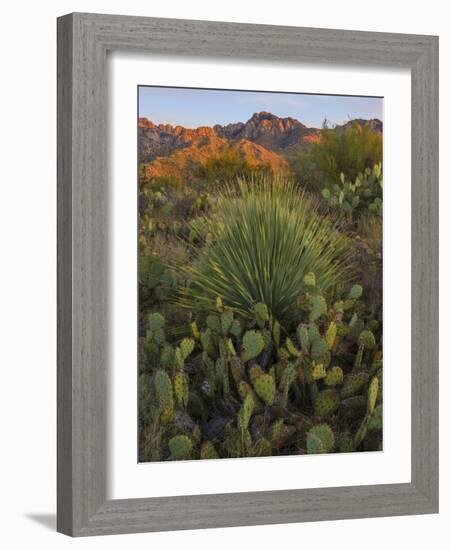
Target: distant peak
261,116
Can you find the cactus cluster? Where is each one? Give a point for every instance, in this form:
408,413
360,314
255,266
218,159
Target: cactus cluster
363,196
238,387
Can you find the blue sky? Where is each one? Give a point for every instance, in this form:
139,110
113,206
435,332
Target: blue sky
198,107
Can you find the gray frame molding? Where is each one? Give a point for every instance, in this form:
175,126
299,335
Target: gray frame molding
83,40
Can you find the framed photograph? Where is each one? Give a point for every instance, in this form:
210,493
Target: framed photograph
247,274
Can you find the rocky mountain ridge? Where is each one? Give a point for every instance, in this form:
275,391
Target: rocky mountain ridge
264,139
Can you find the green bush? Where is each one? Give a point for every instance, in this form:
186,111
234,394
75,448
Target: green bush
265,237
227,167
349,150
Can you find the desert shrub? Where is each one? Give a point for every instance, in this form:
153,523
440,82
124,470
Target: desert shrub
266,236
158,183
227,167
348,150
236,388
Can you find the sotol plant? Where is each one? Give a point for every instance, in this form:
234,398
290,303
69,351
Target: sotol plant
266,237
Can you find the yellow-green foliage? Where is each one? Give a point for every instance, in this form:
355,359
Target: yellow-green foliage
349,151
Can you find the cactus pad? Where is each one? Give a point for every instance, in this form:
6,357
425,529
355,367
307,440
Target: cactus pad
265,388
376,422
353,383
208,451
163,386
213,323
372,395
246,412
180,447
195,331
254,373
181,388
318,371
253,344
236,329
168,357
309,279
313,332
159,336
291,348
326,402
187,347
303,337
318,307
320,439
355,292
155,321
334,377
318,347
276,333
226,320
330,335
367,339
262,313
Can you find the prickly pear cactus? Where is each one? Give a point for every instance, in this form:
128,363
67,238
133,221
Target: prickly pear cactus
163,386
254,373
326,402
309,279
246,412
187,347
208,451
372,394
367,339
207,342
376,422
180,447
330,335
318,371
253,345
213,323
334,377
353,383
261,314
320,439
168,357
195,331
355,292
288,377
318,347
247,386
303,337
226,320
265,388
293,351
181,387
276,333
236,328
318,307
155,321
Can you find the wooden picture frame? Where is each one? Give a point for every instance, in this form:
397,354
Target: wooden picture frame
83,41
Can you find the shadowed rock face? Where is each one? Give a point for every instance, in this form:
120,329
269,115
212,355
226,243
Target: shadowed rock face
264,138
